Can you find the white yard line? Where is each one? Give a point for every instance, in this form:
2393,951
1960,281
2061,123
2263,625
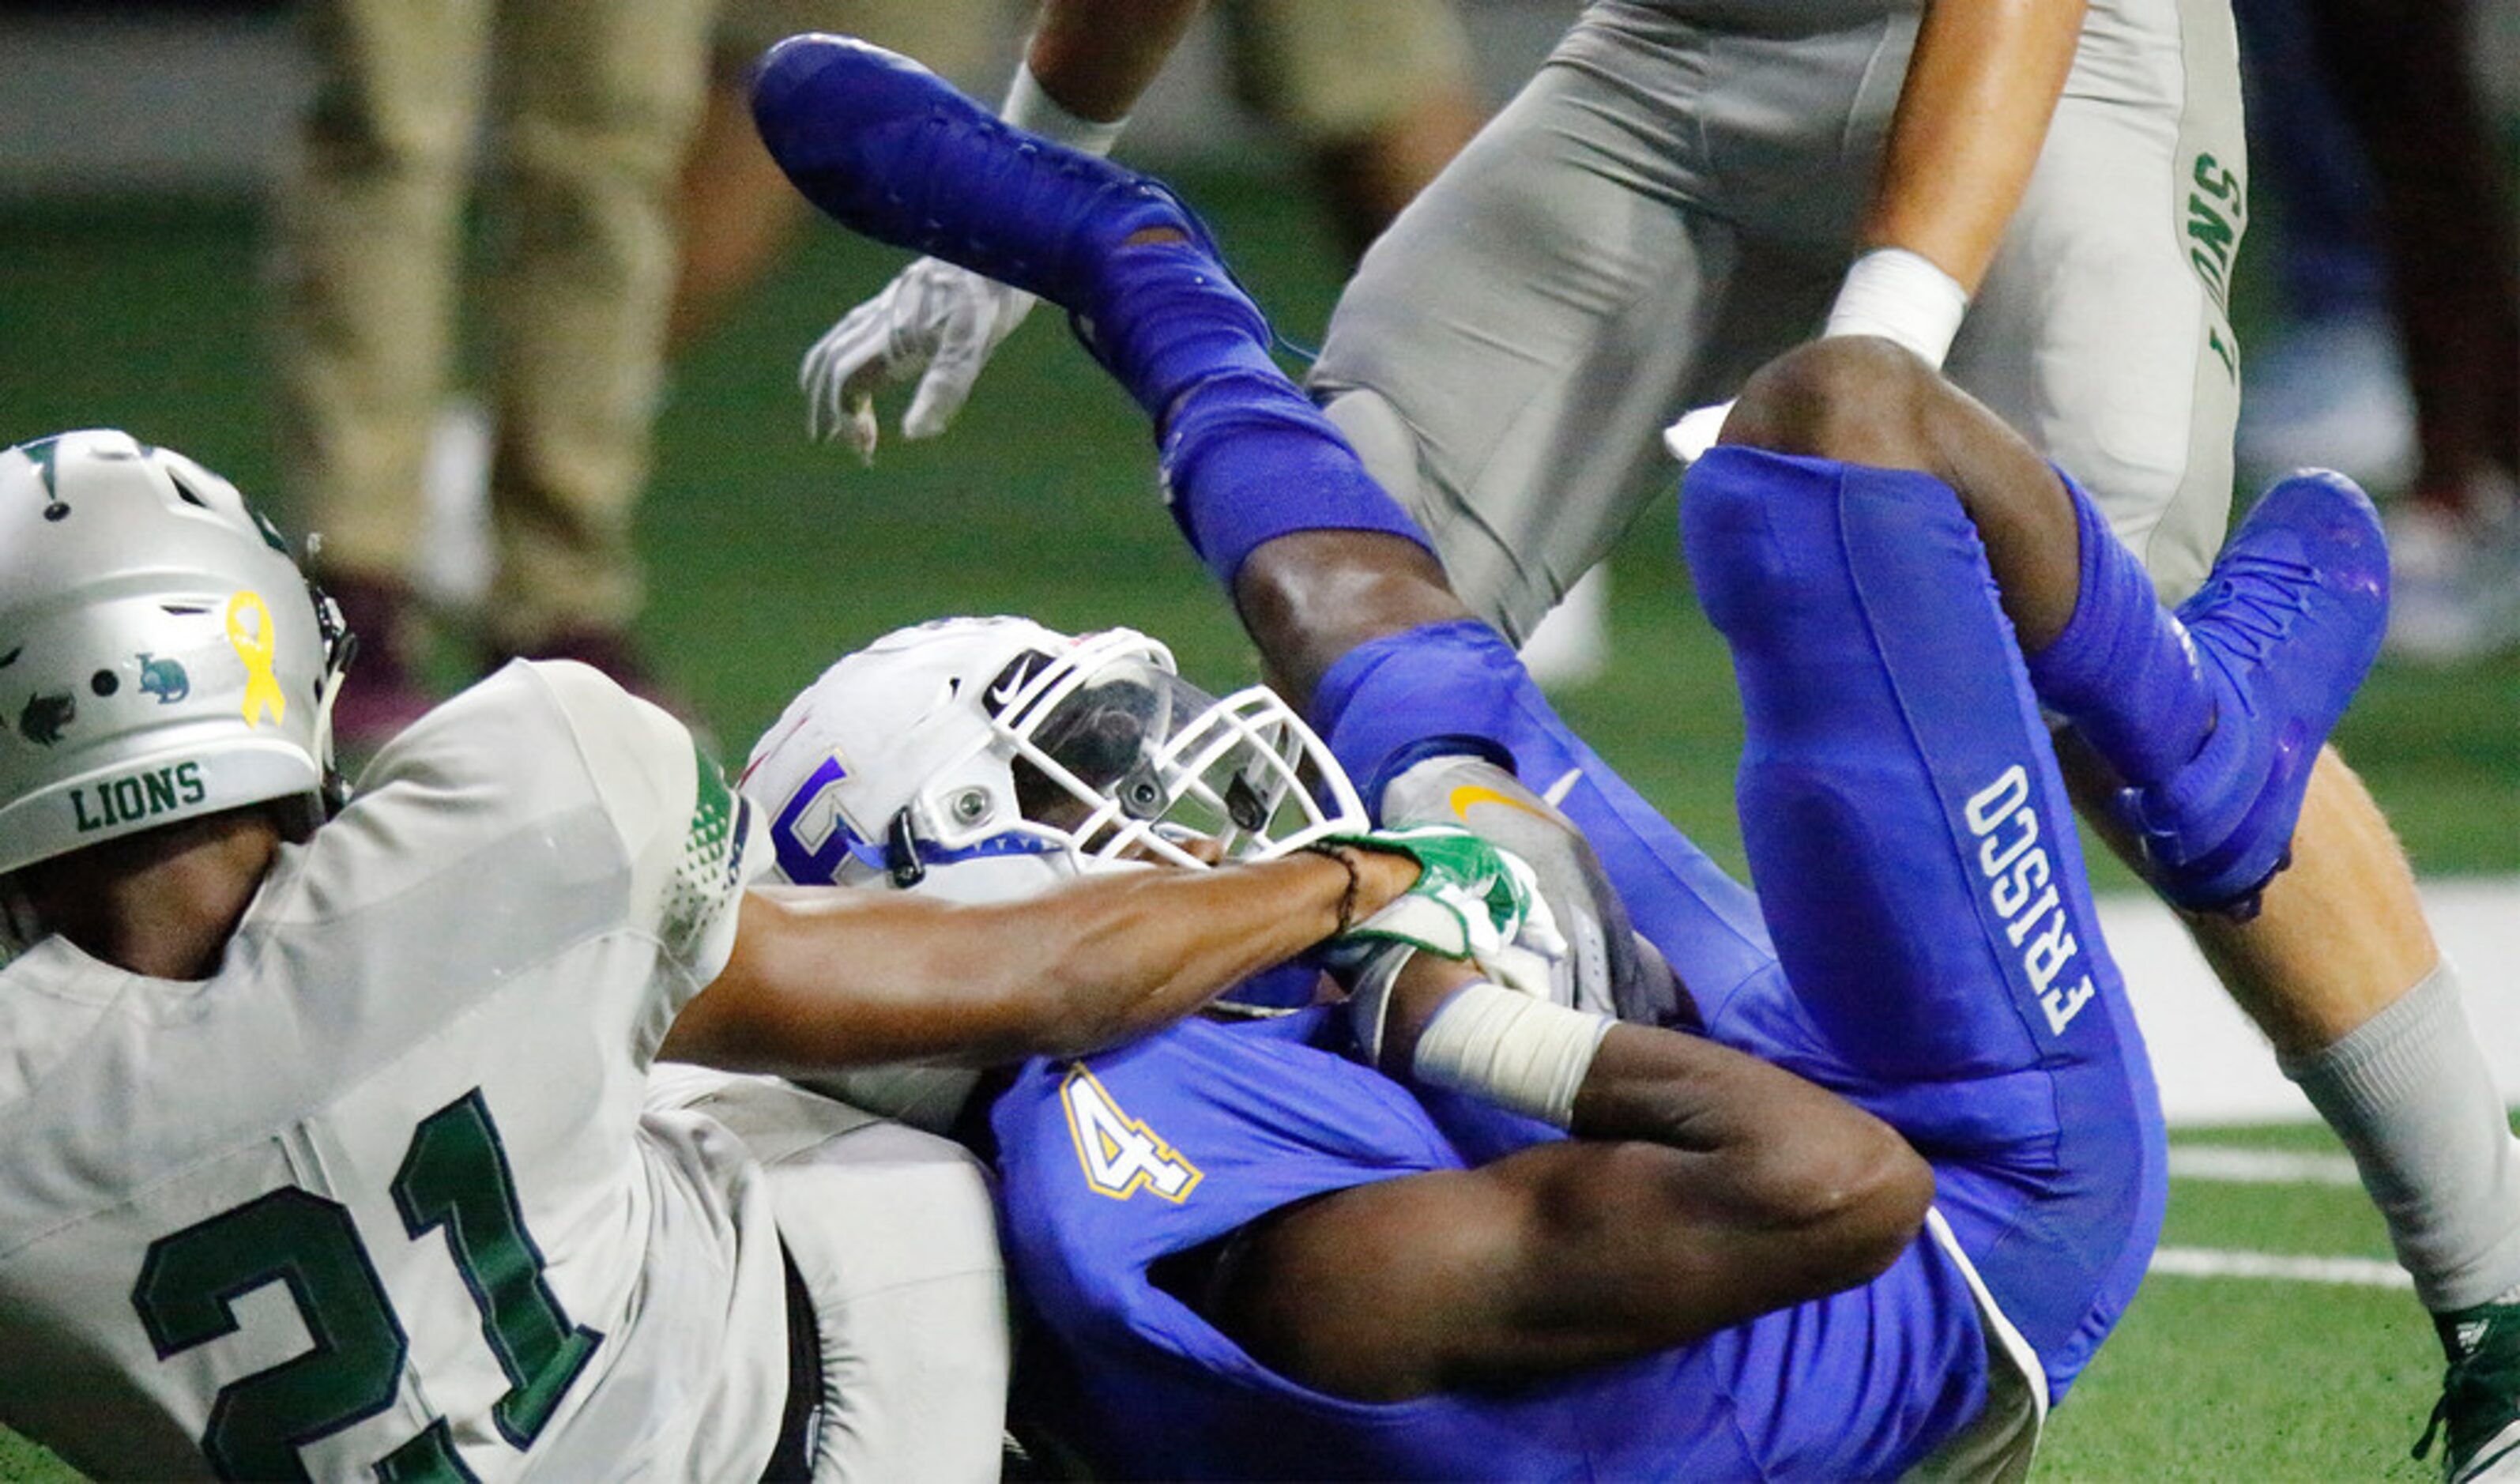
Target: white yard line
2210,1262
2235,1166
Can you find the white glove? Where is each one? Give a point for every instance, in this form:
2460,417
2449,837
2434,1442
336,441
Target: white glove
1470,901
936,322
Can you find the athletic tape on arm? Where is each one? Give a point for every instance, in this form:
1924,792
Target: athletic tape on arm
1900,296
1520,1052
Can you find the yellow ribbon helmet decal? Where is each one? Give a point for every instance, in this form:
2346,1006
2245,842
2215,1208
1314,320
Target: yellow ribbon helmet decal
250,634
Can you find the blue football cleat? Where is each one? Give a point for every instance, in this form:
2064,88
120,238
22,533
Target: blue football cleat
890,150
2285,629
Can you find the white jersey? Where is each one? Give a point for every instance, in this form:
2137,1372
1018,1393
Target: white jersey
377,1199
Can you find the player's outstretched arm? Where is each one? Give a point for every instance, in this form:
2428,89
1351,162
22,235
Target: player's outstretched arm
822,977
1704,1188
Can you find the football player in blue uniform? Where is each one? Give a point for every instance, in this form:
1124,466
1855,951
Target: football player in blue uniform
1516,1238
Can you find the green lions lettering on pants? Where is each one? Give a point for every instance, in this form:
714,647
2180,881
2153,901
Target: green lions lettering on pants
2217,215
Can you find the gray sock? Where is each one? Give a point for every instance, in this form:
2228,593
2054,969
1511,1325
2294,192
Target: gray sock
2409,1093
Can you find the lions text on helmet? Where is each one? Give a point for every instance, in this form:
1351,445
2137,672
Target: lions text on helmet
161,654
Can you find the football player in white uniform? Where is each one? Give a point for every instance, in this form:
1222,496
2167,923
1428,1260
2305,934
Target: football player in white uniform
330,1140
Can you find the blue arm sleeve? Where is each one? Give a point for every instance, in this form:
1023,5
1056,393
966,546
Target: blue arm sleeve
1436,689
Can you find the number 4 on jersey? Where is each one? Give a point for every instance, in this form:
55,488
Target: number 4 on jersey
1121,1155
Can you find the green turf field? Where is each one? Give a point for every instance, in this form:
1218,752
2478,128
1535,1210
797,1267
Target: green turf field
769,557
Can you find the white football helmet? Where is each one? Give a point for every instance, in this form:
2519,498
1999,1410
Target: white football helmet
160,655
983,757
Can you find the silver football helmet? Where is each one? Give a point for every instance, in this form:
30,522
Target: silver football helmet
160,655
982,757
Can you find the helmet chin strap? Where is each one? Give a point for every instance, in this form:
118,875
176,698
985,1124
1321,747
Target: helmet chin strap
340,647
901,852
20,927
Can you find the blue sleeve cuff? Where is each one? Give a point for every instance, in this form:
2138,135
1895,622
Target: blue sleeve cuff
1435,689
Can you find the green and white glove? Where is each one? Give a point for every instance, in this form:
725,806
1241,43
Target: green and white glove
1593,962
1472,901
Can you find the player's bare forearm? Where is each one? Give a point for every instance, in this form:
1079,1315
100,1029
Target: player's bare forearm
821,978
1309,598
1096,57
1704,1188
1981,88
1780,1151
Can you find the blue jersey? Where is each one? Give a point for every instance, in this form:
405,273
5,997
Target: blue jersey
1941,967
1114,1162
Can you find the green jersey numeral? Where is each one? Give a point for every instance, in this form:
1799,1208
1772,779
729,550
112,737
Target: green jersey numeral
455,1174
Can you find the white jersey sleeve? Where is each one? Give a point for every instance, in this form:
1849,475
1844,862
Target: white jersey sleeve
690,839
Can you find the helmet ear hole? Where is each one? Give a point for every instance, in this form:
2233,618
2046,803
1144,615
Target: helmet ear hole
1142,792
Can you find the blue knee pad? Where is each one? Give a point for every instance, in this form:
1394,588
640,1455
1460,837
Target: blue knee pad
1914,852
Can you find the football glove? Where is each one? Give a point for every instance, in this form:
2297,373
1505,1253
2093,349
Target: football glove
1595,957
936,322
1470,901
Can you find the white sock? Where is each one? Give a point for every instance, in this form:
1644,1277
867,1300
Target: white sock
2409,1093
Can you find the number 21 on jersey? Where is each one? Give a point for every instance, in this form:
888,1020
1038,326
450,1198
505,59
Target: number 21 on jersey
1121,1155
455,1180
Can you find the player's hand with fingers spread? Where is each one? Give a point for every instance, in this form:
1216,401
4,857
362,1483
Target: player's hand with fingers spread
936,322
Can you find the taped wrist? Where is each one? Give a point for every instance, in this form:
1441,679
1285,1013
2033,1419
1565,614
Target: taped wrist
1520,1052
1031,108
1900,296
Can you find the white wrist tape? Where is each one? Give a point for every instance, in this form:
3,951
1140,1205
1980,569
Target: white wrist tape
1520,1052
1899,295
1030,109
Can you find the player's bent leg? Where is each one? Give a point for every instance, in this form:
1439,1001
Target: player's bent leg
2210,718
893,1235
1918,870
